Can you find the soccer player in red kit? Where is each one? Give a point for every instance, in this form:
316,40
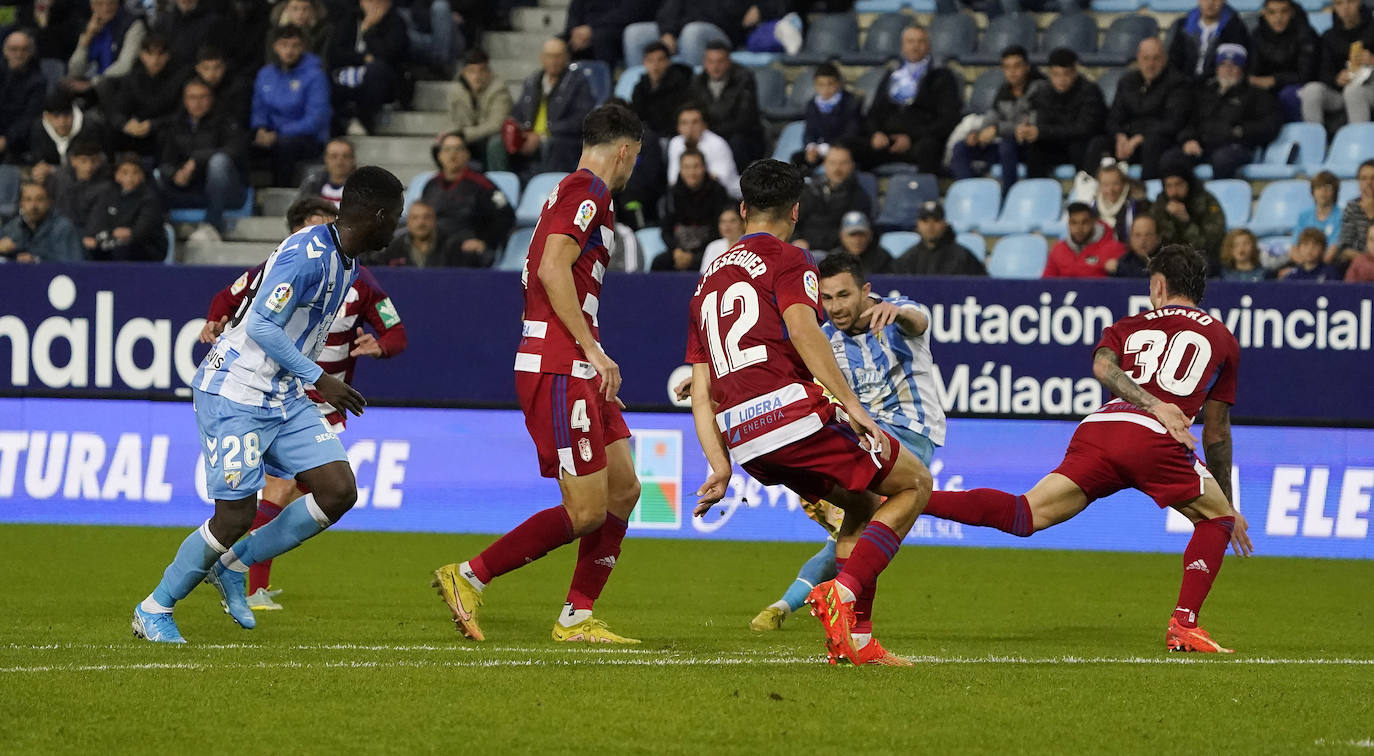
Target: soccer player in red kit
567,388
1163,368
756,349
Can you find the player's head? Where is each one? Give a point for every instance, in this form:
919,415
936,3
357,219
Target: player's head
844,292
310,211
1177,271
771,190
371,206
612,133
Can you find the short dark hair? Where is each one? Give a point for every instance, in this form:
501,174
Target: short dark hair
196,81
1063,57
341,140
1184,270
369,189
771,186
609,122
1312,235
154,41
31,182
691,152
718,46
210,52
57,101
304,208
1015,51
86,147
1082,207
829,70
692,105
654,47
129,158
1366,164
1325,178
287,31
834,265
476,57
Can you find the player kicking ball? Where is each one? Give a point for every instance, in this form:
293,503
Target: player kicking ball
756,349
253,412
567,388
1163,367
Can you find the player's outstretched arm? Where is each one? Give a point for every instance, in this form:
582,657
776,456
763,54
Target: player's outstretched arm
555,273
712,445
810,342
1107,370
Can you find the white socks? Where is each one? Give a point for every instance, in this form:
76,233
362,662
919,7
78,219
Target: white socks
151,606
782,605
861,639
846,595
570,616
465,570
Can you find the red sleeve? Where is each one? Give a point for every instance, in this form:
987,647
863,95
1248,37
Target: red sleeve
798,283
1111,339
381,314
695,354
227,301
1224,387
578,208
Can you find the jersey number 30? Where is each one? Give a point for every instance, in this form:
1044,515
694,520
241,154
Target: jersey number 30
1161,358
726,355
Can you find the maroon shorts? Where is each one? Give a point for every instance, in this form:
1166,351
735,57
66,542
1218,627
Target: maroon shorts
830,457
570,422
1111,455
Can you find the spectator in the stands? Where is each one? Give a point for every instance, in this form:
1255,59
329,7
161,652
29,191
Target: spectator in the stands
76,186
664,87
1305,260
37,234
549,115
938,253
1143,243
233,93
730,96
291,106
145,98
125,224
1361,269
107,49
479,106
1283,54
737,19
1342,52
730,226
595,27
203,161
995,140
327,182
1068,111
366,56
692,131
61,125
833,117
1240,257
1355,221
418,245
311,18
916,107
1088,250
310,211
827,198
1150,108
472,215
694,206
1195,37
1187,213
22,87
1324,214
55,25
858,240
1230,118
1119,199
187,25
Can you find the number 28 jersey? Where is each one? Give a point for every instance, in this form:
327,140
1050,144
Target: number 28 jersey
1179,355
764,395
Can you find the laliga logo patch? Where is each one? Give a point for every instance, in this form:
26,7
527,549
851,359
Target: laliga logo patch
813,287
239,284
584,449
276,301
585,212
553,197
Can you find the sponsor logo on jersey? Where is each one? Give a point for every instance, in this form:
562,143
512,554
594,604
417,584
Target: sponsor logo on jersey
233,477
553,197
585,212
813,286
239,284
584,449
387,312
276,301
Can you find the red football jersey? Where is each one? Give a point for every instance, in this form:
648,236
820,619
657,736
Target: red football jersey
580,207
765,396
1179,355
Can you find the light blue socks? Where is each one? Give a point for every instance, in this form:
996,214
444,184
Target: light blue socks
818,569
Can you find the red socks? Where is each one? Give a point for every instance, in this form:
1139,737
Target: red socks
259,575
983,506
543,532
596,555
870,556
1201,563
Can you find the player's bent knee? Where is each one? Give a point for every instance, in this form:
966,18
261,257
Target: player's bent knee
625,498
232,519
585,519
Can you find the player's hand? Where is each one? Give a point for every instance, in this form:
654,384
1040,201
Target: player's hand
878,317
1175,422
366,345
873,437
344,397
608,370
212,329
683,391
712,491
1240,537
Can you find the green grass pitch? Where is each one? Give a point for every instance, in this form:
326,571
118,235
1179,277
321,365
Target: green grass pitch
1020,651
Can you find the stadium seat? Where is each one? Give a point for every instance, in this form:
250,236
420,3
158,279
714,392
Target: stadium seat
197,214
882,41
1234,196
650,245
53,71
1076,31
868,82
1171,6
1108,81
789,141
1154,188
984,90
794,107
1353,144
830,35
974,243
1019,256
869,183
636,37
692,42
878,6
1296,145
533,196
1320,22
952,36
517,249
771,87
1003,31
905,194
1121,39
416,188
171,257
1116,6
1246,6
897,242
508,183
625,85
970,202
598,76
750,59
1350,190
1029,205
10,179
1279,205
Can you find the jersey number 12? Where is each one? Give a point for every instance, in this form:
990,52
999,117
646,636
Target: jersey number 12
726,354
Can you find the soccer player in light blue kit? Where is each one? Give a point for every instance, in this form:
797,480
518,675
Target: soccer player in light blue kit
883,347
254,416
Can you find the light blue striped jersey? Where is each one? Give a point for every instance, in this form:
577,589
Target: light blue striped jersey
298,292
892,374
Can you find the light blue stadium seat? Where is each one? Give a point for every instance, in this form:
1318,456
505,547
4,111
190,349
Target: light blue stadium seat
1065,172
636,37
533,196
53,71
1320,22
1154,188
829,35
508,183
1171,6
801,91
1019,256
897,242
953,36
692,42
969,203
1296,145
625,85
1076,31
750,59
1121,39
869,183
771,87
1003,31
1353,145
789,141
878,6
1246,6
1029,205
1107,83
197,214
171,234
984,91
1234,196
905,194
598,76
650,245
10,179
974,243
517,249
1115,6
1350,190
417,188
1279,205
868,82
882,41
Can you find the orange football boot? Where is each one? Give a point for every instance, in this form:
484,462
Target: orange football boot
1180,638
837,619
874,653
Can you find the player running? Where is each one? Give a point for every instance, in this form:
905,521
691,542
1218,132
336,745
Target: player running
253,413
567,387
756,350
1173,353
347,341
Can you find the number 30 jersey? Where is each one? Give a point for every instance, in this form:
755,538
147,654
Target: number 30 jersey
764,395
1179,355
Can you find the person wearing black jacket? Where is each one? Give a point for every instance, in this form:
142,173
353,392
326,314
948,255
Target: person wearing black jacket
1068,111
1229,120
595,26
664,87
730,96
22,87
858,240
1283,54
1336,68
233,94
203,155
62,125
367,54
145,98
76,187
916,107
694,205
1150,108
565,100
827,198
187,26
125,224
937,253
472,216
833,117
1195,36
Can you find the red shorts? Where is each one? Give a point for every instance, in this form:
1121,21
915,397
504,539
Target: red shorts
830,457
570,422
1111,455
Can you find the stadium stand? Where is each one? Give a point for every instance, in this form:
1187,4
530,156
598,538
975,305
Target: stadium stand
1018,256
